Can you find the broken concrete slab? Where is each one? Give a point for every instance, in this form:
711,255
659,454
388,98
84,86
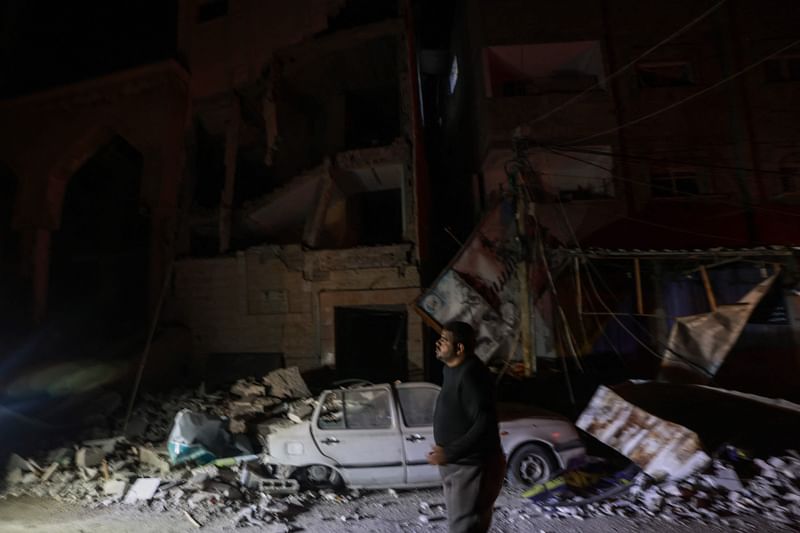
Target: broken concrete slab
143,489
151,458
286,383
244,389
89,457
107,445
725,478
115,488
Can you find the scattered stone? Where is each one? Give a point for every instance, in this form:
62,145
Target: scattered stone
49,471
114,488
143,489
89,457
151,458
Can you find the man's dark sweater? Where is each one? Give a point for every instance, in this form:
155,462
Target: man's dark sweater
465,420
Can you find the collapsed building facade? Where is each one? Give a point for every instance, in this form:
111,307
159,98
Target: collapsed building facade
274,155
677,161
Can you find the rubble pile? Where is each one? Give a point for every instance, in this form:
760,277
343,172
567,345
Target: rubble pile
135,468
732,487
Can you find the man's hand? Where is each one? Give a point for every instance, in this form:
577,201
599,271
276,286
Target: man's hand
436,456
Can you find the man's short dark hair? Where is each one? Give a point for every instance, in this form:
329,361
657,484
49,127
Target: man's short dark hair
462,333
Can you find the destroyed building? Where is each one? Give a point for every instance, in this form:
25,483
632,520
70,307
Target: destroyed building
264,202
677,161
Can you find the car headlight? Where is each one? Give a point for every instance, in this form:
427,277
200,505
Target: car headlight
294,448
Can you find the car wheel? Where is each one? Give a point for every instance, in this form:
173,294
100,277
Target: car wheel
530,464
319,477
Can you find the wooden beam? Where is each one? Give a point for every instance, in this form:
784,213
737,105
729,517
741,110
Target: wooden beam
712,301
638,274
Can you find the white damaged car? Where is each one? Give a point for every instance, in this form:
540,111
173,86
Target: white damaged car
378,436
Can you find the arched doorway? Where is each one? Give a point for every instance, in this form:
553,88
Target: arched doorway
14,291
9,243
99,255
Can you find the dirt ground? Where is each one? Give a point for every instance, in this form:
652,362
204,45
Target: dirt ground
375,511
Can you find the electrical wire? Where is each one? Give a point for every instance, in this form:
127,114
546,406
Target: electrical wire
686,99
626,67
672,161
683,358
558,151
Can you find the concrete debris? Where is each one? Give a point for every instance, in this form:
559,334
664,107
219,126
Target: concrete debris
731,487
152,459
143,489
133,469
286,383
115,488
49,471
246,389
89,457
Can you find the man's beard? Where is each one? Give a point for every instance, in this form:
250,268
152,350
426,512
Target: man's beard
445,356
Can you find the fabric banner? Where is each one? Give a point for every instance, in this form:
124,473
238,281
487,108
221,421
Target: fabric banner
660,448
480,286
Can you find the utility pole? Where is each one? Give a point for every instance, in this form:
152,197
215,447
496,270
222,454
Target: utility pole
516,170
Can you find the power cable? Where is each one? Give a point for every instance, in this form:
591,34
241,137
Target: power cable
558,151
686,99
619,71
672,161
614,316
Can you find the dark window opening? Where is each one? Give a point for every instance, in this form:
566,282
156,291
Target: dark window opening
361,12
676,183
790,179
375,217
210,174
253,178
668,74
9,242
372,117
543,68
212,9
371,344
780,69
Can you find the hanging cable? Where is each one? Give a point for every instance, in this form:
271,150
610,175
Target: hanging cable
686,99
672,161
559,151
614,316
626,67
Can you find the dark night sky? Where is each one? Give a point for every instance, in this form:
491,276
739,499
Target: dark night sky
47,43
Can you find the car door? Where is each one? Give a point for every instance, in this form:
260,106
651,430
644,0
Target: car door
358,429
417,402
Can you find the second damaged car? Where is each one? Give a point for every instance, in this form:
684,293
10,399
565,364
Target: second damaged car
378,436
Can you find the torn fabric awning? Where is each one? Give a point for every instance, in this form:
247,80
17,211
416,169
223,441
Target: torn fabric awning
698,344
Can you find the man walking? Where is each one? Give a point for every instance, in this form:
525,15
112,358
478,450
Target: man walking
467,450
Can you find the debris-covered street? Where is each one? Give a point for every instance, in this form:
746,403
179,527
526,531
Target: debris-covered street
124,483
360,265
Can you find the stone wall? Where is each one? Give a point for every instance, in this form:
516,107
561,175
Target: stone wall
282,299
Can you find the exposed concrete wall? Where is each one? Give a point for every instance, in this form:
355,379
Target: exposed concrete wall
282,299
